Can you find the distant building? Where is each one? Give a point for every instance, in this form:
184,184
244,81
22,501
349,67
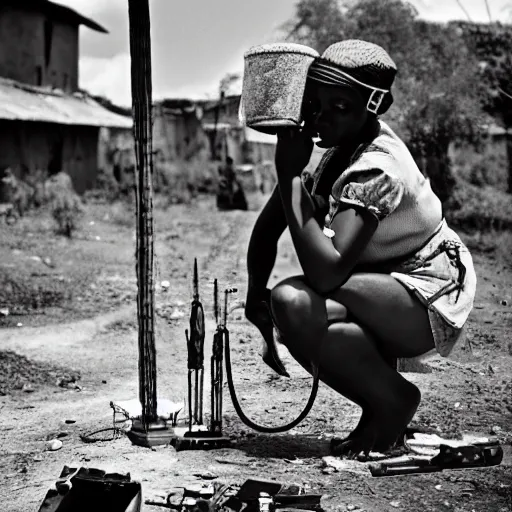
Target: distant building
45,123
252,151
230,138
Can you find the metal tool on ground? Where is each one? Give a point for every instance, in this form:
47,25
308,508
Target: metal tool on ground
85,489
252,496
475,455
195,345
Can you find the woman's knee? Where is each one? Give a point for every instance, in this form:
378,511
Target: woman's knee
296,307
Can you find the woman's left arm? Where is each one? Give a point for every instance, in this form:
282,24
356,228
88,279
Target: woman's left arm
326,263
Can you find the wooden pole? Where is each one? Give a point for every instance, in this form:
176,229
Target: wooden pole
140,50
149,430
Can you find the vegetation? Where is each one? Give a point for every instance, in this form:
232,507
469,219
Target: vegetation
437,101
492,45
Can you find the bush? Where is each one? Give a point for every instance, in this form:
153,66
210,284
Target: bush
23,293
180,182
487,167
122,214
479,208
105,189
494,244
65,204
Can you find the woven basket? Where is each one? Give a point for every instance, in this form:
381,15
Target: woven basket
273,85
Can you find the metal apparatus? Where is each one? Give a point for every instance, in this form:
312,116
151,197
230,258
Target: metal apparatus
220,338
195,346
197,435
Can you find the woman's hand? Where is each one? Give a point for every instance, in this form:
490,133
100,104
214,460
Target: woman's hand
257,311
293,151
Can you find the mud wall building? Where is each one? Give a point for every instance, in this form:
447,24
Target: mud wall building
244,145
46,124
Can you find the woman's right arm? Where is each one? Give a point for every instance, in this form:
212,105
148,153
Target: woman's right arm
262,251
261,257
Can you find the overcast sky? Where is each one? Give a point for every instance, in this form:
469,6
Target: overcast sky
197,42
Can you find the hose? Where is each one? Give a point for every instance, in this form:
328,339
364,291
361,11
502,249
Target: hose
247,421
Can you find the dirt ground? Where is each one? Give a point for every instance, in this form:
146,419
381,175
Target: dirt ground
69,346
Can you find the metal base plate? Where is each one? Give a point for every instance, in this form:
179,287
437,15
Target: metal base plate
202,440
157,434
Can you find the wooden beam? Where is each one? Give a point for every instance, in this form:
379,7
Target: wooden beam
140,51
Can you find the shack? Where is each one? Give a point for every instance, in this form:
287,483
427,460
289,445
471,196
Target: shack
46,124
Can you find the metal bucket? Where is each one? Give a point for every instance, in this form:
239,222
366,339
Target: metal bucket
273,85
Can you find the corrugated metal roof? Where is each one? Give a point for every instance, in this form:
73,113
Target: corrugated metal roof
19,102
56,12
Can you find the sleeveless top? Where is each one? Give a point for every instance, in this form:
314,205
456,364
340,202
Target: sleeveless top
383,178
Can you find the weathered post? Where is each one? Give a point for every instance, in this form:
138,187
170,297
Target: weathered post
149,430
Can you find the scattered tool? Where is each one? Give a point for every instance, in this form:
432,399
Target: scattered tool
474,455
86,489
252,496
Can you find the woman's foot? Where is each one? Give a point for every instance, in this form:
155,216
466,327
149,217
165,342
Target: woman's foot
380,432
357,442
337,443
395,418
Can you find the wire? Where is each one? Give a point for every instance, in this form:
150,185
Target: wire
460,4
488,7
88,438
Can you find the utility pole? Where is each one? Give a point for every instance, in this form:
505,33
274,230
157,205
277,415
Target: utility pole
149,430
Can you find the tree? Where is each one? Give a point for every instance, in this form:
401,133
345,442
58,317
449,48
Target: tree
436,101
317,23
492,45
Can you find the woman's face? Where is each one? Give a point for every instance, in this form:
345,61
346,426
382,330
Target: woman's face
336,113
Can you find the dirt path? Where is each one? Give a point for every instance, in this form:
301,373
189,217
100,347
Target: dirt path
470,392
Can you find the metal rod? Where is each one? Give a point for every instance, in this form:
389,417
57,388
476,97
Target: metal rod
220,392
201,391
196,397
212,394
196,281
190,400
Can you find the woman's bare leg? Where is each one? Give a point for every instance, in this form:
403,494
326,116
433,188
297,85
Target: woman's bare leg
337,312
396,318
351,360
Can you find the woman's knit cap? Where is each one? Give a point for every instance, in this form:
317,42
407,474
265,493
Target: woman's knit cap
361,64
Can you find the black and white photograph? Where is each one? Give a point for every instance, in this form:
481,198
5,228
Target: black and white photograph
256,256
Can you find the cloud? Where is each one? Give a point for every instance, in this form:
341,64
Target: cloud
107,76
195,43
440,10
111,77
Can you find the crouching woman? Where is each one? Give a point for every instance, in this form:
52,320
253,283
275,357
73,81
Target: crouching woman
384,275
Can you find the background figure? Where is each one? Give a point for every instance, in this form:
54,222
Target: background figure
230,194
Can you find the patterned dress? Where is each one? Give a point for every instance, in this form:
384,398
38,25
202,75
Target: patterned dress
412,242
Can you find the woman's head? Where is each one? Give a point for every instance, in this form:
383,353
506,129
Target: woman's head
348,86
